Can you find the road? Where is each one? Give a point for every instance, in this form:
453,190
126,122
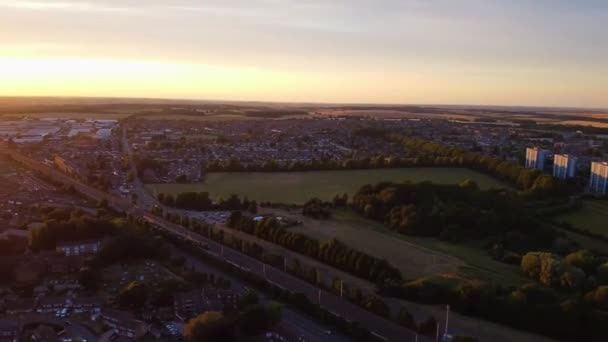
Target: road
340,307
310,330
144,199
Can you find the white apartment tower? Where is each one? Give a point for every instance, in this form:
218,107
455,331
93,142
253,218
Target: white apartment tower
598,182
564,166
535,158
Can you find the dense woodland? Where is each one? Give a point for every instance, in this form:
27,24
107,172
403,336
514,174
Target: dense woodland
454,212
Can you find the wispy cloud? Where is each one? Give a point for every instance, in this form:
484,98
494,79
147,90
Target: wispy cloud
73,6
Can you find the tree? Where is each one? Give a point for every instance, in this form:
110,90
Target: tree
584,260
599,297
209,326
133,295
549,270
253,207
406,319
378,306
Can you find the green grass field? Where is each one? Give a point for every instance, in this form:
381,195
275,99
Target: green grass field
298,187
414,256
592,216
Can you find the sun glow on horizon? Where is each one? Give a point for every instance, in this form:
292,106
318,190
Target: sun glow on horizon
545,53
90,77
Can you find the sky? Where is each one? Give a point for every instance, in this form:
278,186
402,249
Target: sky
485,52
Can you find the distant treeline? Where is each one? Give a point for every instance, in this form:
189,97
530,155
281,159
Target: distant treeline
273,113
422,153
530,180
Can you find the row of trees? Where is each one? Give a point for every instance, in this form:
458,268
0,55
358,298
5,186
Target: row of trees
317,209
530,180
202,201
353,329
312,165
69,225
297,300
530,307
578,271
253,320
332,252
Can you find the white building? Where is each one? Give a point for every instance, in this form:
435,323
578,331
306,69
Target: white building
535,158
564,166
103,133
79,248
598,182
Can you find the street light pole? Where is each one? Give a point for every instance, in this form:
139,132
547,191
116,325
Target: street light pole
447,317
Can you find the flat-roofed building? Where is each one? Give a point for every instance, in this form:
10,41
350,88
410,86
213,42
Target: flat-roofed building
564,166
598,182
535,158
79,248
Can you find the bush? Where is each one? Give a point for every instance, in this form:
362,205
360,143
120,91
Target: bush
584,260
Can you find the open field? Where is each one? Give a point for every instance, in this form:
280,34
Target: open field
592,216
414,256
298,187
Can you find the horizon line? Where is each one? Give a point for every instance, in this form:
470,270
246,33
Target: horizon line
321,103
